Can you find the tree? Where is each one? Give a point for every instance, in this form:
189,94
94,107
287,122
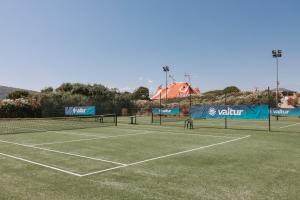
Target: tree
142,93
47,90
65,87
98,89
18,94
81,89
231,89
53,104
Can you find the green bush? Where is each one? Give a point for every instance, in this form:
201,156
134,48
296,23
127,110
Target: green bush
231,89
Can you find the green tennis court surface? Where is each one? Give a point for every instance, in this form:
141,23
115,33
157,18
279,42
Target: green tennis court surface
147,161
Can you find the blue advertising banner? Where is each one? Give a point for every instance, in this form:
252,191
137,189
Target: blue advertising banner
167,111
284,112
80,110
260,112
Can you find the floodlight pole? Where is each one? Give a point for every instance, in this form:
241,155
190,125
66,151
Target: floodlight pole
166,69
277,82
269,108
166,86
277,54
160,108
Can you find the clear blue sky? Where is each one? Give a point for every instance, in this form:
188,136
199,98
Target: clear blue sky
125,43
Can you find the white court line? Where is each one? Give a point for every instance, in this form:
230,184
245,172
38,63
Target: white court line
62,142
81,133
200,135
72,133
165,156
39,164
118,167
123,135
96,138
61,152
170,131
289,125
31,129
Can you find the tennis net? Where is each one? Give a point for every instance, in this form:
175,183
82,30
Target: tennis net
27,125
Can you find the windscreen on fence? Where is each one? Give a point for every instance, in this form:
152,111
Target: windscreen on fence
166,111
257,112
80,111
286,112
167,116
251,117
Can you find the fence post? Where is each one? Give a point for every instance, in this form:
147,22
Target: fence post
225,105
269,105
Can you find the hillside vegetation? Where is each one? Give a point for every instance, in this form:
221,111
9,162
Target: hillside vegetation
231,96
5,91
50,102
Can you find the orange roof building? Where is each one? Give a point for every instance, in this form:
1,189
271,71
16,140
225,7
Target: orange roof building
175,90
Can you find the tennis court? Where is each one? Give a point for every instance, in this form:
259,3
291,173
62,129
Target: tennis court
92,151
146,161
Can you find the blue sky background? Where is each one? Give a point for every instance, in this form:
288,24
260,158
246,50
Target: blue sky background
125,43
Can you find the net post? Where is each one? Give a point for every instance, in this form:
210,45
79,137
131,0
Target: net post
225,105
116,119
152,120
269,105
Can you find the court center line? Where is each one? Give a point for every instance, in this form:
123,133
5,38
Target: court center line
95,138
290,125
65,153
42,165
165,156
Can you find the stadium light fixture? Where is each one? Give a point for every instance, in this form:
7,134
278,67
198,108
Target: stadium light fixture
166,69
277,54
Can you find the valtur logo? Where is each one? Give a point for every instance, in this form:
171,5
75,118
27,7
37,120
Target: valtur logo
230,112
79,110
281,112
166,111
212,111
224,112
